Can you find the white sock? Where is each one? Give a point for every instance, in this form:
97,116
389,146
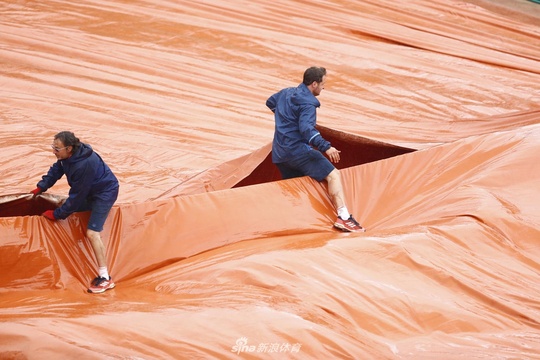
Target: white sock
103,272
343,213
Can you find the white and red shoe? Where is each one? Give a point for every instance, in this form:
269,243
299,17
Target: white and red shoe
350,225
100,285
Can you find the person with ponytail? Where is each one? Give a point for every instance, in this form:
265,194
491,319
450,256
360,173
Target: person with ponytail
93,187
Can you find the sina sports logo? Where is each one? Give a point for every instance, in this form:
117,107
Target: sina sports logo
242,346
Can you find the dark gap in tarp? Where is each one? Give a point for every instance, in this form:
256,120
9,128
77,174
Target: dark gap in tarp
355,150
24,205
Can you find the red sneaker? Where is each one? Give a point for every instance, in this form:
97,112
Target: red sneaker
100,285
350,225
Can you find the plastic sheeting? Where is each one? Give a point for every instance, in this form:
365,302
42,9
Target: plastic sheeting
214,258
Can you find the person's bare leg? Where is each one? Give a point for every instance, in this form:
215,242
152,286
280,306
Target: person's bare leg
103,282
335,189
97,245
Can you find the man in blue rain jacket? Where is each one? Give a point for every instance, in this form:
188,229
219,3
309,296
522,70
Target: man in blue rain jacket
297,148
93,187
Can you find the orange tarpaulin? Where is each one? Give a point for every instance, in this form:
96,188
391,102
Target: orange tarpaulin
435,106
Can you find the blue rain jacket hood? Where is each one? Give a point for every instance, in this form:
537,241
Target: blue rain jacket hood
295,113
88,177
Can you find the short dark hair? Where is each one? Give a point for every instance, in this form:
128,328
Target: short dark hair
314,73
68,139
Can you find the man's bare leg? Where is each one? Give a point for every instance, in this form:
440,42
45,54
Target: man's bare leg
335,189
104,281
97,245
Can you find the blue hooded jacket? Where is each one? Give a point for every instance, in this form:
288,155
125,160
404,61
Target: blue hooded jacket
88,177
295,113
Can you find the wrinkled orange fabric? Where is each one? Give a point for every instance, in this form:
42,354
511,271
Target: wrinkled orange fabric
435,105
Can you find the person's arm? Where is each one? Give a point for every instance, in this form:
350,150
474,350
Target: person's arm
306,123
56,171
333,154
272,102
80,186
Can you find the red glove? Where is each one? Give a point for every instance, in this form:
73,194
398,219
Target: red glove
36,192
49,214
